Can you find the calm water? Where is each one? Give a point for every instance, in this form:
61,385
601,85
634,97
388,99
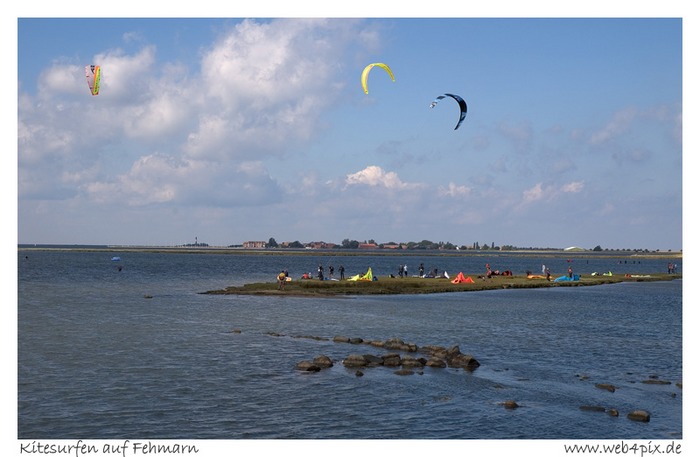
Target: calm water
99,360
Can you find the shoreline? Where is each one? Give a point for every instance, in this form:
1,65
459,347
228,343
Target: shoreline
415,285
543,253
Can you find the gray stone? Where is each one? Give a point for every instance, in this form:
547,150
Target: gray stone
599,409
435,363
323,361
306,365
510,404
410,362
355,360
639,415
391,360
373,359
608,387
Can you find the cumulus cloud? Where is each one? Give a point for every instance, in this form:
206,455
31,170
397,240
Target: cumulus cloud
125,76
453,190
61,78
160,178
617,125
572,187
534,193
259,87
375,176
550,192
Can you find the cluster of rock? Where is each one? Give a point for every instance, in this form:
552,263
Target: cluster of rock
435,357
638,415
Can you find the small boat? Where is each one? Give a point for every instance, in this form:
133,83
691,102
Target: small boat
116,259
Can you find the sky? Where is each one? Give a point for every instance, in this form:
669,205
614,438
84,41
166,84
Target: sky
250,124
250,127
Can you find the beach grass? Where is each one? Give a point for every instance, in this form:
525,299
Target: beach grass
415,285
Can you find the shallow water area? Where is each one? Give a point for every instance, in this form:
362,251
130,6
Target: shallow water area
108,353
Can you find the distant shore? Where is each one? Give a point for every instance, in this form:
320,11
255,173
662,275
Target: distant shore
415,285
541,253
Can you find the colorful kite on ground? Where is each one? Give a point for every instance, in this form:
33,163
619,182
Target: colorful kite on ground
365,277
462,106
365,74
92,73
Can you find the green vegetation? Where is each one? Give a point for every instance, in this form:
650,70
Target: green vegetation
426,245
387,285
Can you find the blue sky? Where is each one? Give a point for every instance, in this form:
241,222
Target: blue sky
244,129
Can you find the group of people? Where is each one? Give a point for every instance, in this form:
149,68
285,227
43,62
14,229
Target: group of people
331,272
320,273
490,272
403,272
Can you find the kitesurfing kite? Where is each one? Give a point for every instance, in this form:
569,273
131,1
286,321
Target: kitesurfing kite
365,74
92,73
462,106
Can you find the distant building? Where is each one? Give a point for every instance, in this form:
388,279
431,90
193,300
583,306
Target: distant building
368,246
254,244
319,245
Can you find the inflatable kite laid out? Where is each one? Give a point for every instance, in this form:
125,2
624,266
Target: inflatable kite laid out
365,74
461,279
92,74
462,106
566,278
366,277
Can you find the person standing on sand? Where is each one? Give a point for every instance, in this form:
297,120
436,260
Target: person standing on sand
342,272
281,279
571,273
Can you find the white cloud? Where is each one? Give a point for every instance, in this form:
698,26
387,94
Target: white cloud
62,79
618,124
127,77
152,179
158,116
261,87
163,179
375,176
534,193
541,192
453,190
572,187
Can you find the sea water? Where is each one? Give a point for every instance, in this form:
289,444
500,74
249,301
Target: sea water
114,350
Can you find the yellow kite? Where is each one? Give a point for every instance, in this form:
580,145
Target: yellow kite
365,74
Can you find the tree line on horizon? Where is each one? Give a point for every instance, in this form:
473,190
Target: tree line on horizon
414,245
